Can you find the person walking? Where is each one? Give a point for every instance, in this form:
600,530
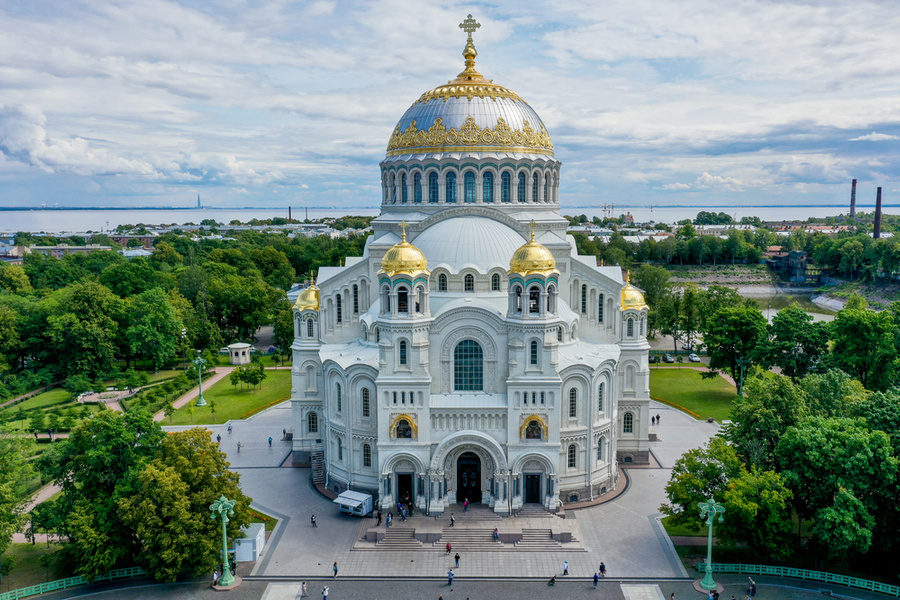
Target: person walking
378,517
335,569
390,518
218,438
456,558
312,521
602,569
229,428
565,567
303,591
449,547
466,505
239,447
270,441
653,420
496,535
596,580
450,577
452,520
672,597
657,418
215,578
325,593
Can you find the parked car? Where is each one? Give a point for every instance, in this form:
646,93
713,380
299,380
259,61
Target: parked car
655,358
693,357
668,358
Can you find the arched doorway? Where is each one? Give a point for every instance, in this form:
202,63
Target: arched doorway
468,472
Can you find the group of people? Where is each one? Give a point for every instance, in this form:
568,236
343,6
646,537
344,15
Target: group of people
654,420
601,571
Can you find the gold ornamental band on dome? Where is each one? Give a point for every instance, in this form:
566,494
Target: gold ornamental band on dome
469,137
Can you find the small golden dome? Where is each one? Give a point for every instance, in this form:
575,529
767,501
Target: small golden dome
532,258
632,298
308,298
404,258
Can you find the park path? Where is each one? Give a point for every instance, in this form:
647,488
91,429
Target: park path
40,496
219,373
29,394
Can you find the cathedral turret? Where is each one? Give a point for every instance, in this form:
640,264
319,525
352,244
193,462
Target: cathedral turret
404,280
533,281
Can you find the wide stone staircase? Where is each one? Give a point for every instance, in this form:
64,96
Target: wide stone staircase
468,539
537,539
317,460
534,511
398,537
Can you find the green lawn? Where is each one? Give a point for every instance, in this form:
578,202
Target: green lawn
685,388
28,570
236,403
48,398
681,529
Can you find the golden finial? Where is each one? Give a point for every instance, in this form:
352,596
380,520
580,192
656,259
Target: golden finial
532,230
403,227
628,277
469,53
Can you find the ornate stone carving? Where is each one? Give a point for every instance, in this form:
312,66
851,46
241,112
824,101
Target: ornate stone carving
470,136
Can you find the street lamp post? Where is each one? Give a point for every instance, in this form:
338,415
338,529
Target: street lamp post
184,349
708,510
199,362
224,507
742,362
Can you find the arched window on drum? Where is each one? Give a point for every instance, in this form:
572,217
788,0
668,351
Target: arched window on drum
487,187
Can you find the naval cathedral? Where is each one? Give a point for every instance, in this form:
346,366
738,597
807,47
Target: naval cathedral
471,352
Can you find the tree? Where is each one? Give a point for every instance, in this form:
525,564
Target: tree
10,342
236,376
83,327
865,346
797,342
15,471
655,283
839,471
97,466
129,278
735,340
759,419
758,511
169,510
154,331
832,394
699,474
165,253
284,324
14,280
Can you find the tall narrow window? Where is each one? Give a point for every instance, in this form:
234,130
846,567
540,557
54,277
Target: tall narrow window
628,423
600,309
404,192
432,187
417,188
339,312
402,300
312,422
442,283
547,190
468,366
450,183
393,190
355,299
505,187
600,443
572,456
403,352
643,323
309,328
495,283
340,447
584,299
601,393
534,187
367,455
469,186
534,353
365,402
534,300
487,187
521,191
338,398
469,283
573,402
559,335
629,328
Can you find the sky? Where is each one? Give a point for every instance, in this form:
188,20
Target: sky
273,103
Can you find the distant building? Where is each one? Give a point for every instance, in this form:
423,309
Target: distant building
61,250
13,255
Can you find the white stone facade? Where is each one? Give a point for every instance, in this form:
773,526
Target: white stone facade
471,381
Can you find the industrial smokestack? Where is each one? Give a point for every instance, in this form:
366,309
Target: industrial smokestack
289,214
877,233
853,200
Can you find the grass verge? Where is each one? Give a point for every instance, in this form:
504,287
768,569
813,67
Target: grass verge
28,569
686,390
235,403
260,517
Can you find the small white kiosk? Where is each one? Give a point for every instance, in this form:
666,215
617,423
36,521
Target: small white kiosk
249,548
355,503
239,353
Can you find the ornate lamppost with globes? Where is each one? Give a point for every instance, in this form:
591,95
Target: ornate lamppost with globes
709,510
224,507
200,363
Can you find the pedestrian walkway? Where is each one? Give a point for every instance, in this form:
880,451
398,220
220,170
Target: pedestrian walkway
219,373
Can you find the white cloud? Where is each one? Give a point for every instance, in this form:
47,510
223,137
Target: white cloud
875,137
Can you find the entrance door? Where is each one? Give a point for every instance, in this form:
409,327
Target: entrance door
468,470
404,487
532,489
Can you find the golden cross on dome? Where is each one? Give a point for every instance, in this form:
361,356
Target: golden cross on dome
403,226
469,26
532,230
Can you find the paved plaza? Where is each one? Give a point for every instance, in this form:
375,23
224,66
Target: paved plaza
624,533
